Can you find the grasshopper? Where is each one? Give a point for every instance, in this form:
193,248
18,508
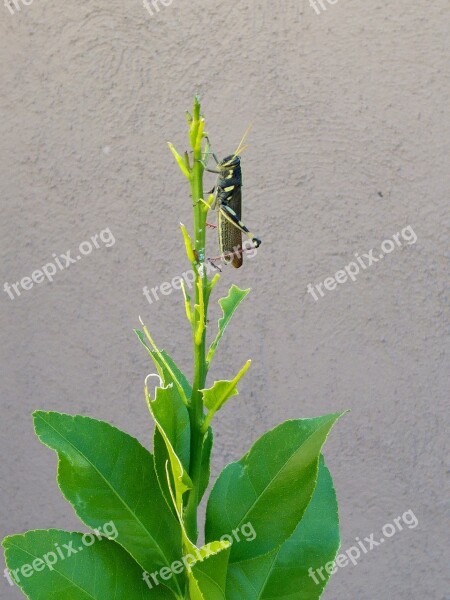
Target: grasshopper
228,202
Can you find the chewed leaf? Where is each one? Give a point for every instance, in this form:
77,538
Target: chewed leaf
228,305
207,577
171,415
172,422
214,398
167,368
211,549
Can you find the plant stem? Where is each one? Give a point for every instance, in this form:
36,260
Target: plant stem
196,411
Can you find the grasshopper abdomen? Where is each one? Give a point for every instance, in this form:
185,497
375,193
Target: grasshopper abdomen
229,204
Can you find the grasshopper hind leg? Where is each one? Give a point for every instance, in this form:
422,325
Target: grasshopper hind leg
231,237
231,216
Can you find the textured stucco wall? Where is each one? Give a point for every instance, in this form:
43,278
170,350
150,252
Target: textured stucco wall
350,140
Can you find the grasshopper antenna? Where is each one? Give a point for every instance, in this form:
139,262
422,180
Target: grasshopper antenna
240,149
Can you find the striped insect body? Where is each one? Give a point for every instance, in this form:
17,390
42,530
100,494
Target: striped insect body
228,202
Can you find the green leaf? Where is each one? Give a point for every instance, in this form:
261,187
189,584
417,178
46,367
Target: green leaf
228,305
173,425
160,457
107,475
214,398
180,161
187,302
206,463
270,487
285,572
188,244
101,571
167,368
207,577
179,376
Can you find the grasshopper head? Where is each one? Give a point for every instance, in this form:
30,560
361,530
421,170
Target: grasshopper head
229,162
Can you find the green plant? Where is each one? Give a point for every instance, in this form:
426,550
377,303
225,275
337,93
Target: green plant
271,516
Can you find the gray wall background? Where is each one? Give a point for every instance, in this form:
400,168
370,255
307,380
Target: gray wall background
350,140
